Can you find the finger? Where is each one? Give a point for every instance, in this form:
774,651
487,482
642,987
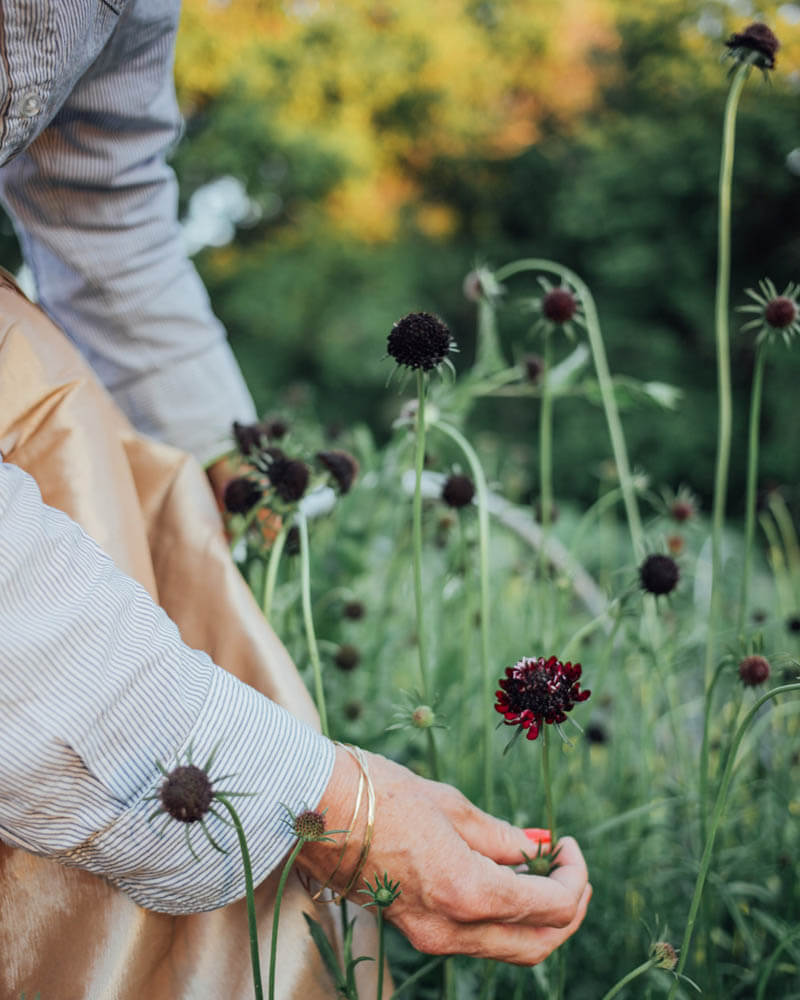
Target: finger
513,943
495,838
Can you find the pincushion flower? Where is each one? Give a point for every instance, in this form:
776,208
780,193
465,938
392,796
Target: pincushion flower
756,45
775,315
420,341
537,692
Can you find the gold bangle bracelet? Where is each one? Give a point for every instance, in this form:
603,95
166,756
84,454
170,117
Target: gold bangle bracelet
361,759
359,794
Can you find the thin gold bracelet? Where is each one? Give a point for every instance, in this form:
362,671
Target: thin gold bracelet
361,759
359,794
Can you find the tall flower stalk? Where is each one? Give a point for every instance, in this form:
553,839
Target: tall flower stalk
308,620
752,475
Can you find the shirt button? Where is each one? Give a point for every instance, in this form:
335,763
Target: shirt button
30,104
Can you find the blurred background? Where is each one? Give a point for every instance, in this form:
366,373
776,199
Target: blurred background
348,161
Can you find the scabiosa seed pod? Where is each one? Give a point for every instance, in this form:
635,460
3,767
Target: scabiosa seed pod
781,312
186,793
664,954
309,825
659,574
347,657
342,466
354,610
241,495
774,315
458,491
559,305
420,341
289,478
754,670
539,691
423,717
756,45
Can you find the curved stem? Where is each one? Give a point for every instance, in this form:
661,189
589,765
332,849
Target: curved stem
604,381
752,475
482,493
276,916
271,574
719,807
725,405
308,619
633,974
250,894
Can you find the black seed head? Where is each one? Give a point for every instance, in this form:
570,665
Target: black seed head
420,340
289,477
241,495
659,574
780,313
756,44
186,793
354,610
347,657
559,305
595,732
458,491
342,466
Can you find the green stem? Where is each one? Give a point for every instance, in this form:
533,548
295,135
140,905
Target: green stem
271,574
546,443
249,891
416,976
308,619
604,381
633,974
704,770
273,954
482,493
752,474
725,404
716,818
248,520
488,356
381,947
419,463
548,792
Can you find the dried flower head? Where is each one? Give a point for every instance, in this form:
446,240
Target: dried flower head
756,46
241,495
538,691
664,955
347,657
288,476
309,825
342,466
775,315
458,491
186,793
420,341
659,574
754,670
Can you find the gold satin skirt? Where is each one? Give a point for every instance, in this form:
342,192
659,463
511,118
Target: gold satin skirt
66,934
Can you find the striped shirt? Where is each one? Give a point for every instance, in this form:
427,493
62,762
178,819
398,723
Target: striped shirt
96,685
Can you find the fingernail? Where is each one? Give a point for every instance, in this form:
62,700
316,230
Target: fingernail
537,835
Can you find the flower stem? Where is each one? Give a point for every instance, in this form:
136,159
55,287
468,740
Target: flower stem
482,493
724,402
752,474
417,535
604,381
271,573
273,954
716,818
381,951
248,520
249,891
305,570
546,443
633,974
548,792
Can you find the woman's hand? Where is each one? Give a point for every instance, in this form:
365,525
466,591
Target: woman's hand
450,858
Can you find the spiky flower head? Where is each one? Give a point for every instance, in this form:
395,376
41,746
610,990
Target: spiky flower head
383,893
775,315
754,670
458,491
756,46
288,476
309,825
423,717
186,793
559,308
342,466
420,341
664,955
659,574
539,691
241,495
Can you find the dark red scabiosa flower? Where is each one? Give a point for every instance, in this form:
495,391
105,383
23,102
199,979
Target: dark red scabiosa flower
681,509
347,657
342,467
288,476
559,305
420,341
186,793
756,45
354,610
458,491
251,437
774,315
241,495
309,825
754,670
535,692
659,574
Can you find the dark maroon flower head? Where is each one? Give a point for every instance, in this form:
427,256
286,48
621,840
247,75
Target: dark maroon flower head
756,45
354,610
420,340
289,477
186,793
559,305
342,466
659,574
276,428
347,657
458,491
681,509
251,437
309,825
538,691
781,312
241,495
754,670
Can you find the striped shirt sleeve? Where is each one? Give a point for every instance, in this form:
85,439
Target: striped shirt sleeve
96,686
88,114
